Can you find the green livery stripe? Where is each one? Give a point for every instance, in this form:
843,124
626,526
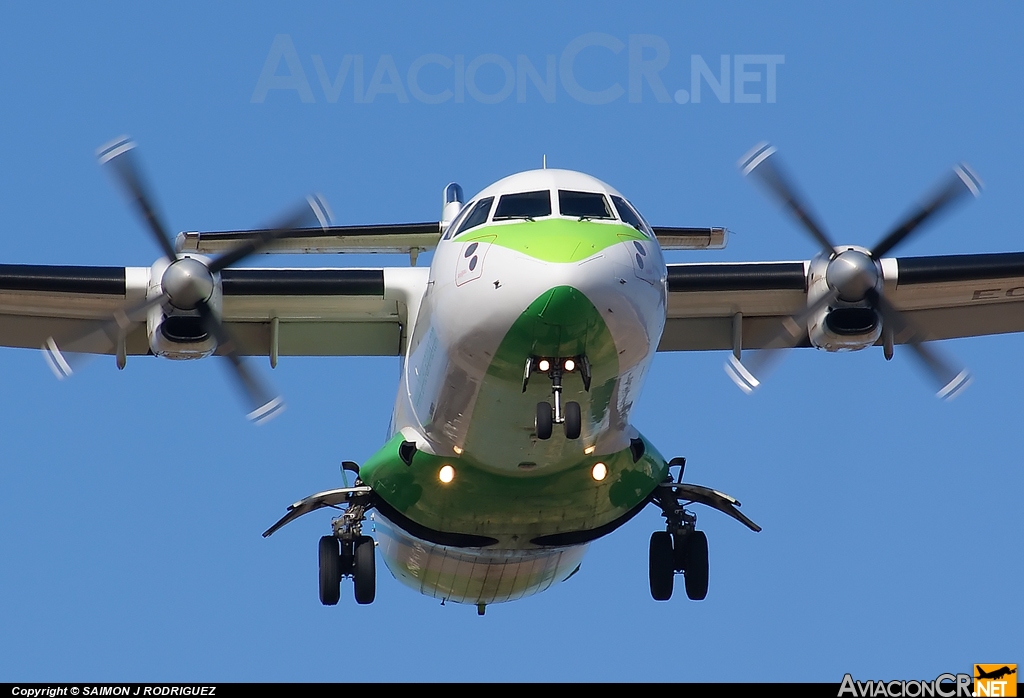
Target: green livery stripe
483,500
560,322
556,239
479,502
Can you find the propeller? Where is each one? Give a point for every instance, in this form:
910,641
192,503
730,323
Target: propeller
853,275
187,284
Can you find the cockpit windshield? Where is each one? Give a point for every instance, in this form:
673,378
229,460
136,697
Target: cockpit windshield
528,205
583,204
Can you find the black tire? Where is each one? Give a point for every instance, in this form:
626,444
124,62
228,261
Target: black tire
330,571
364,570
679,552
573,421
545,418
696,571
661,565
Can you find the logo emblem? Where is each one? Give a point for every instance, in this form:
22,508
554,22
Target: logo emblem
995,680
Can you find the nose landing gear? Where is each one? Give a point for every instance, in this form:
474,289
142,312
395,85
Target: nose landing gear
552,413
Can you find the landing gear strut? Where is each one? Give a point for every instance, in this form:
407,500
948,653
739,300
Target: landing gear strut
681,548
348,553
550,414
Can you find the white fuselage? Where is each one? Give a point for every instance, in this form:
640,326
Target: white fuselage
457,397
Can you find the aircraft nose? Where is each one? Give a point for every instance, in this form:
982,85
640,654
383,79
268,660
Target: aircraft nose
562,320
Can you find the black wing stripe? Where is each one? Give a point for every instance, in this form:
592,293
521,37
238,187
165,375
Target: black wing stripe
736,277
334,231
303,282
966,267
60,279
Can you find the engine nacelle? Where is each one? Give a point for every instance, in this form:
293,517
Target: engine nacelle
179,334
841,326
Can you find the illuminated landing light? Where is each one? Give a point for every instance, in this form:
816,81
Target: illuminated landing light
543,365
446,474
458,450
569,365
600,471
589,449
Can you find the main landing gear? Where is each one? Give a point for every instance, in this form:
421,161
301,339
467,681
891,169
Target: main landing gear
347,558
549,414
681,548
347,552
684,551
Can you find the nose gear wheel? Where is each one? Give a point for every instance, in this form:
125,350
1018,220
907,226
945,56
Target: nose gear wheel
570,416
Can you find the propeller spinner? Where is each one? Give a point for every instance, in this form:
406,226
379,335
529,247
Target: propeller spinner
187,284
853,276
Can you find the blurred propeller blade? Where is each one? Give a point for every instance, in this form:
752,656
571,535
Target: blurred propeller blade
263,404
119,155
313,212
186,284
102,338
851,276
760,164
741,376
961,181
746,376
950,379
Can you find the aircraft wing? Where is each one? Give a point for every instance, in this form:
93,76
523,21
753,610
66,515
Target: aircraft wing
945,296
318,312
405,238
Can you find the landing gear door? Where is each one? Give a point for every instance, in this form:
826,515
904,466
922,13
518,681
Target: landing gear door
712,498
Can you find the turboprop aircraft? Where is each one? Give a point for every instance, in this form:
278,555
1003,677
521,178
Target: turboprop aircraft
523,347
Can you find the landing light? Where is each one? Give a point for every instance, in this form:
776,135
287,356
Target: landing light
589,449
543,364
600,471
569,365
458,450
446,474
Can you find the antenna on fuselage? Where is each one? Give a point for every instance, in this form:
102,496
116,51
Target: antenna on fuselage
544,161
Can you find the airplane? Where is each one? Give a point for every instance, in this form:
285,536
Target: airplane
995,673
523,347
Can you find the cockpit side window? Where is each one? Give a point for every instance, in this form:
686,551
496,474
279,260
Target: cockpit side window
583,204
478,215
629,215
528,205
454,225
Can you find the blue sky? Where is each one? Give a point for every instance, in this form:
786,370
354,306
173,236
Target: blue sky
132,503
